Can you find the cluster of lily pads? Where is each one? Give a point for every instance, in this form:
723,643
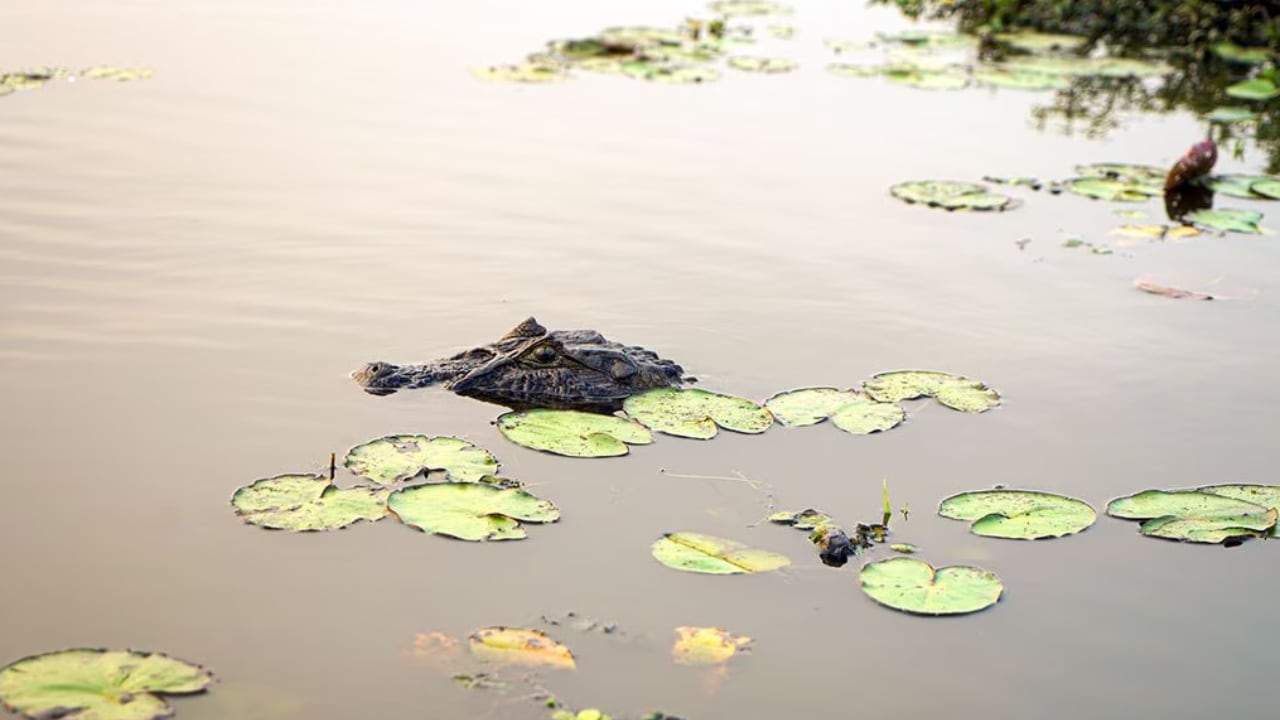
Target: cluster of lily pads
36,77
684,54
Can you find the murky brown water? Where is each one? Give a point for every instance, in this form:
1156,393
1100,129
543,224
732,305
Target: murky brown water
190,266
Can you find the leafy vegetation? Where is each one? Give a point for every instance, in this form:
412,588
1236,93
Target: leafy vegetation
98,684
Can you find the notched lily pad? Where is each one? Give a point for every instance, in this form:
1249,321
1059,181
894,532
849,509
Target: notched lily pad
1267,496
1228,220
695,552
913,586
399,457
707,645
1194,516
808,406
954,391
950,195
762,64
573,433
305,503
694,413
470,511
1019,514
98,684
520,646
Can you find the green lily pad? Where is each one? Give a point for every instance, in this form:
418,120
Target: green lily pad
572,433
802,520
673,74
1131,173
693,413
1020,79
523,73
928,39
735,8
1111,189
470,511
1269,188
305,503
855,70
1240,186
1071,66
762,64
1242,55
1228,220
950,195
1193,516
119,74
913,586
927,79
1267,496
1019,514
863,416
642,35
808,406
98,684
1256,89
399,457
1229,114
695,552
957,393
32,78
1037,42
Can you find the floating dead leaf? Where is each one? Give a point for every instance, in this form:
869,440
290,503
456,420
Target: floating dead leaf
519,646
1145,284
706,646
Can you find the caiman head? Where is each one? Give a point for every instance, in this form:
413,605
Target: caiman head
565,369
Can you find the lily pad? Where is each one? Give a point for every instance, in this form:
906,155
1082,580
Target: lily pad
762,64
304,503
802,520
32,78
1240,186
98,684
950,195
1193,516
399,457
695,552
519,646
1037,42
855,70
1071,66
1019,514
573,433
694,413
1156,232
706,645
913,586
119,74
863,416
470,511
1242,55
927,79
1228,220
904,548
735,8
1020,79
808,406
674,74
1269,188
1111,189
958,393
1131,173
1256,89
1230,114
523,73
1267,496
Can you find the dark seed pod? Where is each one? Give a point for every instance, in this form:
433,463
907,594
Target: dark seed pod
1195,164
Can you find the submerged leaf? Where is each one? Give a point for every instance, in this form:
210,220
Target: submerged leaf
913,586
695,552
1019,514
1193,516
572,433
302,503
694,413
98,684
706,645
518,646
470,511
399,457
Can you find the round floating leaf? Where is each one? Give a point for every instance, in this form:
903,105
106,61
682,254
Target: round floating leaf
107,72
1111,189
1036,42
1193,516
1241,186
1267,496
852,70
1269,188
1228,220
927,79
950,195
1020,79
706,646
1256,89
1242,55
98,684
470,511
958,393
863,416
928,39
1019,514
572,433
1072,66
695,413
695,552
732,8
913,586
669,73
518,646
1148,175
523,72
303,503
968,396
762,64
808,406
1231,114
400,457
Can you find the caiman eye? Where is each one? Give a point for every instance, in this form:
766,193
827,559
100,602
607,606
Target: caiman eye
543,355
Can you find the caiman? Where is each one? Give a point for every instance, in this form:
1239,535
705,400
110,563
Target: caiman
530,367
